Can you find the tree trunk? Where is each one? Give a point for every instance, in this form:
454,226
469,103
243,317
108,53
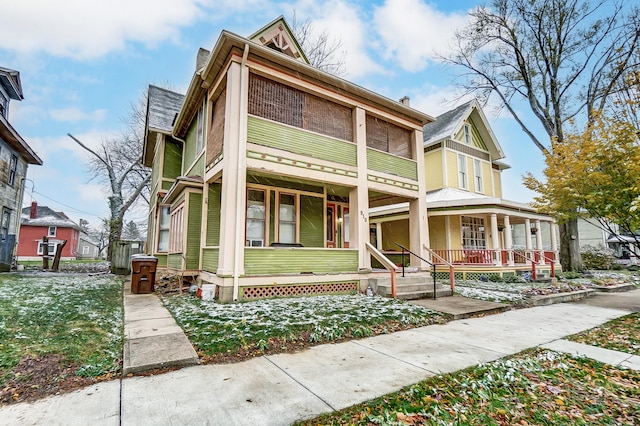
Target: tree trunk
115,231
570,246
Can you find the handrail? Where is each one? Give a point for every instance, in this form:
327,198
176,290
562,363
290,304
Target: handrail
388,265
452,274
433,265
552,262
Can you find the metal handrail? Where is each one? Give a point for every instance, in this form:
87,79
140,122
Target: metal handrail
433,265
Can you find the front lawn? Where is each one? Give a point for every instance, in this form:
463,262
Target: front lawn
532,388
222,332
57,331
621,334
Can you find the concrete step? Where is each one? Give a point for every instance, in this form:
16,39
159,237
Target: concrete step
409,288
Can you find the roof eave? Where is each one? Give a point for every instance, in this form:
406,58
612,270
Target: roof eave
13,138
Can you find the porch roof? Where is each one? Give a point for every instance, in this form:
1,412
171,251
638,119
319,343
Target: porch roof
181,183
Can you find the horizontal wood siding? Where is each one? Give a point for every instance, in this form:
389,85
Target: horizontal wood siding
198,168
213,214
266,261
174,261
172,159
387,163
274,135
311,221
194,222
190,142
162,259
210,259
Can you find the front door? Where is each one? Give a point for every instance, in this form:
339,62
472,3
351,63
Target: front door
332,231
337,219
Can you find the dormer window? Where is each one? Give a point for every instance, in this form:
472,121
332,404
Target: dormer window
4,105
467,134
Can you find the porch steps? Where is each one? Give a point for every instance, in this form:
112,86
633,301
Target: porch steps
409,288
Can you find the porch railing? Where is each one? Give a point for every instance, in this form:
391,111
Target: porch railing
404,249
440,260
466,256
386,263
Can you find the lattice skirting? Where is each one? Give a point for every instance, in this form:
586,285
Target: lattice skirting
289,290
469,275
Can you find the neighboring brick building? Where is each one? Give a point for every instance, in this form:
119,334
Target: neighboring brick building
39,221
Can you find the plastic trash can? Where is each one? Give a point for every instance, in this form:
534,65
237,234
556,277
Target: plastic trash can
143,273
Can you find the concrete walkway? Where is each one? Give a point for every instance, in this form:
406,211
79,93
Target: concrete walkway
279,389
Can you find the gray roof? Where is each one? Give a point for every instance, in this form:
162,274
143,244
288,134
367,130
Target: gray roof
445,124
46,216
163,105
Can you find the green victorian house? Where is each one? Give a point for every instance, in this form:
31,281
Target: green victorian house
265,172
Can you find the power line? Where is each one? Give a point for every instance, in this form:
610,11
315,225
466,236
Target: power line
66,205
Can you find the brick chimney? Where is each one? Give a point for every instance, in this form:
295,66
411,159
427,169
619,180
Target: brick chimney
34,210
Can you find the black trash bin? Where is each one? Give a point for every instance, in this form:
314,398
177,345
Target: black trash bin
143,273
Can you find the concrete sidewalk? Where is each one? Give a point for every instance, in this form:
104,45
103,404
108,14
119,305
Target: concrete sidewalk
279,389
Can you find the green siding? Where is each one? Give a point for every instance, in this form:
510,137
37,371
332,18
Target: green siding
162,259
193,225
311,221
198,168
190,142
210,259
275,135
167,184
213,215
265,261
388,163
172,160
174,261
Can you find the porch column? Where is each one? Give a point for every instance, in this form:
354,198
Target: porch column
527,235
418,221
553,227
508,241
359,197
234,176
379,235
539,246
495,238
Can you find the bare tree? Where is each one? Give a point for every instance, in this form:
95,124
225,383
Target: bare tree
321,50
117,163
563,58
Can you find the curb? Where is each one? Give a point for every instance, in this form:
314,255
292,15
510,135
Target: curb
550,299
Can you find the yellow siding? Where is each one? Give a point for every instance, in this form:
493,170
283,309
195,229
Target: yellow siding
486,179
455,236
396,231
497,183
433,170
452,169
437,233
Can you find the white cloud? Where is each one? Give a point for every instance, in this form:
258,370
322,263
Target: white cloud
342,21
88,29
411,31
73,115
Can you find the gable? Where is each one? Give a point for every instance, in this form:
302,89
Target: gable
278,36
477,140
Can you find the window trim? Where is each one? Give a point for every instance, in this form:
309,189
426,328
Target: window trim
161,229
13,170
462,172
265,220
296,219
477,175
50,229
50,243
467,134
477,239
200,130
176,229
5,224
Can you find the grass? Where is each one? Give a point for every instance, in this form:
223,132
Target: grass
277,324
534,387
621,334
76,318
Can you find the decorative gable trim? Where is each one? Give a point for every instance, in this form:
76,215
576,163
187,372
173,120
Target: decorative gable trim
278,36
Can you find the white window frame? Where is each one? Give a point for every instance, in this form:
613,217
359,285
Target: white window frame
477,174
462,172
5,220
467,134
260,242
163,230
473,233
13,170
85,250
51,232
53,246
295,220
176,235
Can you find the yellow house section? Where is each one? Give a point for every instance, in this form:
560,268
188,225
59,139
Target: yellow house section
486,179
452,170
434,176
497,183
455,233
437,232
396,231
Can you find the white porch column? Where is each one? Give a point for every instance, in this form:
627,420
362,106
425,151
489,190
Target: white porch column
418,221
359,197
539,246
527,235
234,176
495,238
508,240
379,235
554,240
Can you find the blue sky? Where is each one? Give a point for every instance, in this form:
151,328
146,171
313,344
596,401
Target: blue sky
82,65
